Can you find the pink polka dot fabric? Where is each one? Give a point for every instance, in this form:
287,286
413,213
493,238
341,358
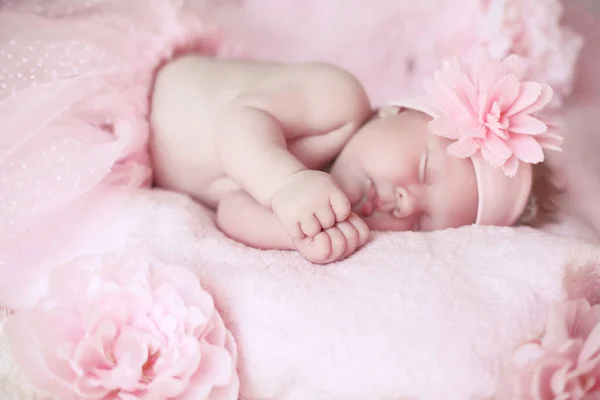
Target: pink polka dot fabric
75,80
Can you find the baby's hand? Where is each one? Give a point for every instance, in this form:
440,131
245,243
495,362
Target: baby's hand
315,212
309,203
335,243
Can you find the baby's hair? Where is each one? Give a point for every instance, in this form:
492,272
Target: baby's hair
542,205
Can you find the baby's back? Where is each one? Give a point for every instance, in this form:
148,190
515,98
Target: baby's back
187,97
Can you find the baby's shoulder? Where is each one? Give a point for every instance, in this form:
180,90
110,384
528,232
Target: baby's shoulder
329,79
326,93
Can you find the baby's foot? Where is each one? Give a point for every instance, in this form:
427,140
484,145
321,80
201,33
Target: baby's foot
335,243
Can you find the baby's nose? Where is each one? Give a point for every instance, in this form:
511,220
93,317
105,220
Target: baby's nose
406,204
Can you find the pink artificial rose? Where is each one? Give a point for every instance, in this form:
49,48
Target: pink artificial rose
486,108
125,327
564,364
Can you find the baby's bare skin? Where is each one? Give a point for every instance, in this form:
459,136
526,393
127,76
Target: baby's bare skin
251,140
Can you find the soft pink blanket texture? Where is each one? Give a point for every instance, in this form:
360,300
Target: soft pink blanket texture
425,316
411,316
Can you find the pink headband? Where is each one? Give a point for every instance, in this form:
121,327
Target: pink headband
486,107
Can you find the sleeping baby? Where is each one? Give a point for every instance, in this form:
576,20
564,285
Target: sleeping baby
294,156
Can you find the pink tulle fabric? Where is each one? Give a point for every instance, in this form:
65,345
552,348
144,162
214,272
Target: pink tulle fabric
75,79
125,326
564,364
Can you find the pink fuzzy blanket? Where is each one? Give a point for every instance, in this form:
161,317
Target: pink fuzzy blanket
426,316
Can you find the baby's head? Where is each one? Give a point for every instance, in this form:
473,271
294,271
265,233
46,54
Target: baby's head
469,153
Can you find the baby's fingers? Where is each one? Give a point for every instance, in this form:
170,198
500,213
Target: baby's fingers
340,205
351,237
310,225
338,244
326,217
361,228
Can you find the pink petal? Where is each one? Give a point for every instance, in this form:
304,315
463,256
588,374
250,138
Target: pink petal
529,94
464,147
526,148
130,349
89,357
527,125
514,65
557,327
573,312
445,127
550,141
454,77
544,98
587,321
90,388
591,347
187,285
526,354
475,132
167,387
507,90
559,379
25,348
542,377
592,396
445,96
495,150
511,166
534,97
487,85
217,370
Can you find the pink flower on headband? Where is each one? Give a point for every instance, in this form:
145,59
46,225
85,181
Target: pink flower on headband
486,107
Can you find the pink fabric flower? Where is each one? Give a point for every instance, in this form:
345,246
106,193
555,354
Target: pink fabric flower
125,327
486,108
565,363
534,30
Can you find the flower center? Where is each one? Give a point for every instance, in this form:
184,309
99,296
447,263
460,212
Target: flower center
495,122
148,367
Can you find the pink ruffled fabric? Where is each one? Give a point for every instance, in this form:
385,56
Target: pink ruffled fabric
75,79
534,30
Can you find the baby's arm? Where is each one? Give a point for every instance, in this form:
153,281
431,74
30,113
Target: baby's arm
243,219
251,136
252,131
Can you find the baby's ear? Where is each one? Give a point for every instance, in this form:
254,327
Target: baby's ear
582,275
386,111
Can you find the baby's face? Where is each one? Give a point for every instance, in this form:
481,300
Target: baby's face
399,177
